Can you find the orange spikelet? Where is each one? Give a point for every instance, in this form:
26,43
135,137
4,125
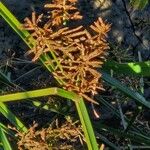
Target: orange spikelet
79,51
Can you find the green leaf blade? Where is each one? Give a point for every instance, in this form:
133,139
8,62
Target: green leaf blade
131,68
135,95
5,142
87,126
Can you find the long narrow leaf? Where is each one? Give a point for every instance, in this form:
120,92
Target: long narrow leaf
133,94
131,68
5,142
15,24
87,126
38,93
12,118
7,113
7,130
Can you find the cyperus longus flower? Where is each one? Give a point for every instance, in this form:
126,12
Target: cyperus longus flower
79,51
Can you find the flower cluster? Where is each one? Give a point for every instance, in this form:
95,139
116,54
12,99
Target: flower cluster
79,50
63,10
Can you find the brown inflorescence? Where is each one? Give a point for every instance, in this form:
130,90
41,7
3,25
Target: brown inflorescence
63,10
79,50
67,136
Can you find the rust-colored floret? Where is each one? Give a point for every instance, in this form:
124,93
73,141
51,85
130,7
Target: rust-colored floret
52,137
79,51
63,10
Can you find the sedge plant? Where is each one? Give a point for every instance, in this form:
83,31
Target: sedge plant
72,55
